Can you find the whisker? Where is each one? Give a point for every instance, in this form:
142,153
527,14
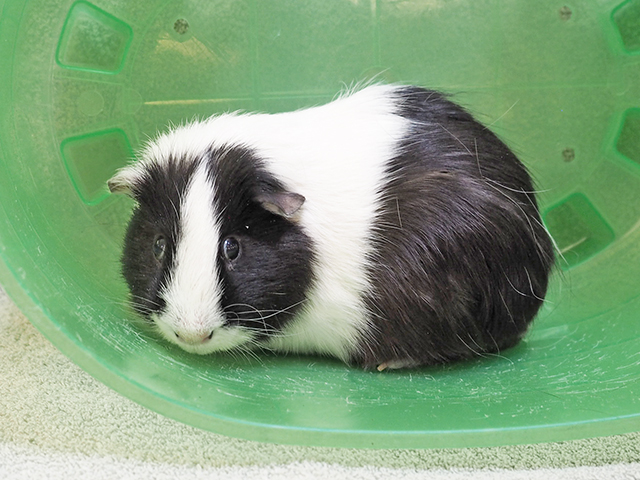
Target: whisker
501,116
529,220
516,190
531,286
513,286
264,314
513,321
477,353
456,138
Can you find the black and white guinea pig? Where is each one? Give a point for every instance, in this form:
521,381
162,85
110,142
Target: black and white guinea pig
387,228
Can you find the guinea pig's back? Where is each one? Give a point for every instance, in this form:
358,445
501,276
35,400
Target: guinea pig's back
460,258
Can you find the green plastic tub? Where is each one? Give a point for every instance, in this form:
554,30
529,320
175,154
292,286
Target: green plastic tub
83,84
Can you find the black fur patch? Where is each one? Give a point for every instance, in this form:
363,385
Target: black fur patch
158,195
267,284
461,260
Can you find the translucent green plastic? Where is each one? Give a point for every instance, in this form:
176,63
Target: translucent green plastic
83,84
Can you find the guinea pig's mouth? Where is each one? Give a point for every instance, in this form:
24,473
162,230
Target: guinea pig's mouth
218,339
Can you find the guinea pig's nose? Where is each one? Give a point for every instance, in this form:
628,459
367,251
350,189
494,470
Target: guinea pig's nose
194,338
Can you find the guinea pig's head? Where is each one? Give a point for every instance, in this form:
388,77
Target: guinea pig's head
214,255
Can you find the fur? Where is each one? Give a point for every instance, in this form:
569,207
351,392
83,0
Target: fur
387,227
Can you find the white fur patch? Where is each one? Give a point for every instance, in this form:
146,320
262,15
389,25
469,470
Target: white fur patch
192,294
335,156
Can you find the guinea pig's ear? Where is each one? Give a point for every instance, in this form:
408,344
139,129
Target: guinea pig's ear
285,204
123,181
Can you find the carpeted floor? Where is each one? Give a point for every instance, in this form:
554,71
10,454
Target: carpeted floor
58,422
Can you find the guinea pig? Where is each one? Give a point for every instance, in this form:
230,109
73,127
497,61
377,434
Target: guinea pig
387,228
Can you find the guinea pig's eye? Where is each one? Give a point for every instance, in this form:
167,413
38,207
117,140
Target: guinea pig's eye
231,248
159,247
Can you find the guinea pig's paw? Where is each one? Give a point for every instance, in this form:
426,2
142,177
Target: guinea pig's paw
397,364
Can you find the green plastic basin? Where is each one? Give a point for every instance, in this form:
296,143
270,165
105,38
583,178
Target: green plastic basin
83,84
